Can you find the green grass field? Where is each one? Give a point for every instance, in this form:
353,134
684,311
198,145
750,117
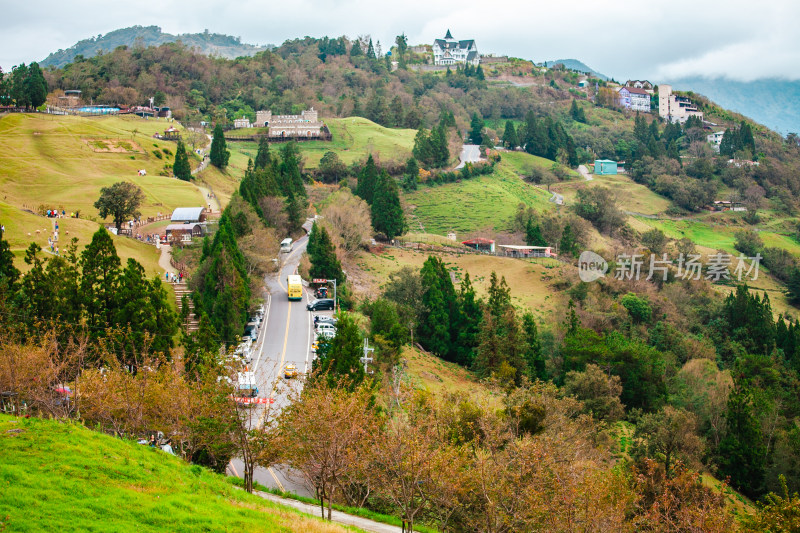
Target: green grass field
486,202
63,477
53,161
631,196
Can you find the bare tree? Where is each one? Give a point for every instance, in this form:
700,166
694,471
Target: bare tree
348,217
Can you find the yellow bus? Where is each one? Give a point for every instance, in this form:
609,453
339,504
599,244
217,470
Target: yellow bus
295,287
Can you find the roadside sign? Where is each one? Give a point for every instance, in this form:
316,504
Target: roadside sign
254,400
320,281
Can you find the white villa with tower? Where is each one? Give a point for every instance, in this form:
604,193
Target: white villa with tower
449,51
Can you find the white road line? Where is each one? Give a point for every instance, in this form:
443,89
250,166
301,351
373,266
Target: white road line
265,323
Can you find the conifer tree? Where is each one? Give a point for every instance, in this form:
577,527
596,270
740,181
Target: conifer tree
568,245
181,168
741,453
510,140
370,50
367,180
469,328
355,49
263,157
440,154
387,213
532,349
422,148
219,152
294,211
476,129
411,176
322,253
9,275
533,234
479,73
100,266
35,85
342,358
434,326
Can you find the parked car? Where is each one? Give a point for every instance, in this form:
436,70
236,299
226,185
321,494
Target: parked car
326,334
251,331
321,304
290,371
321,319
326,327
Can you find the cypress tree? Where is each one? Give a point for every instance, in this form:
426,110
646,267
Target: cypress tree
440,154
411,176
100,266
219,153
469,328
422,148
532,348
568,244
367,180
324,263
533,234
355,49
741,453
370,50
294,211
479,73
387,213
263,157
510,136
181,168
35,85
476,129
434,327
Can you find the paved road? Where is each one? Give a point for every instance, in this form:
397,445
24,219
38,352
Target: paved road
585,172
557,199
284,338
336,516
470,153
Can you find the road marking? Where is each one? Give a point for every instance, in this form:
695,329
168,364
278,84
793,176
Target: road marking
264,324
278,481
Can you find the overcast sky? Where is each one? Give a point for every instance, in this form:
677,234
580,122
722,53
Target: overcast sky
739,39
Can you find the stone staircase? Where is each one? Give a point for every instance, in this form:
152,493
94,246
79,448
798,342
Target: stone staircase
191,324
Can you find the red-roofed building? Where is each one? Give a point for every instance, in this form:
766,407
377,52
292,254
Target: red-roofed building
480,244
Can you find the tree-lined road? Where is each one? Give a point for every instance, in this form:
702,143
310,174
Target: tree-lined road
285,338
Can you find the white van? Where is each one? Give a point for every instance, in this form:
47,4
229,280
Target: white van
287,245
326,328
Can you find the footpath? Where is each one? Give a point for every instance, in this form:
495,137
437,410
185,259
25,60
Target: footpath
336,516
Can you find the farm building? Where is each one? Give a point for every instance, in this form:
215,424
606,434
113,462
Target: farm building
605,167
185,231
512,250
188,214
480,244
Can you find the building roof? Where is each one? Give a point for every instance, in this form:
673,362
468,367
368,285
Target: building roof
449,35
635,90
518,247
178,227
472,55
479,240
187,214
604,161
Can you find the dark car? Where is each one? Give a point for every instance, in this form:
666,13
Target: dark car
321,304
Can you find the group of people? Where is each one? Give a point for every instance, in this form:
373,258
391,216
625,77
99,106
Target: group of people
174,278
159,442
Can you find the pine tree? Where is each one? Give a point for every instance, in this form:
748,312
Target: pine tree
469,328
476,129
499,296
9,275
291,177
640,129
367,181
100,266
181,168
294,211
440,154
396,112
510,140
422,148
532,348
35,85
263,157
411,176
355,49
387,213
219,153
568,244
533,234
479,73
342,358
434,326
322,253
741,453
370,50
577,113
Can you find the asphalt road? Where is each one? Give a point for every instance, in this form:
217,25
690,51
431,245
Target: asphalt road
470,153
284,338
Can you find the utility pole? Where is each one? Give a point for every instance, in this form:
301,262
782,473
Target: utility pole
367,352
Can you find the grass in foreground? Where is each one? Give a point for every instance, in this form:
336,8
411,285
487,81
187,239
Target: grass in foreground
62,476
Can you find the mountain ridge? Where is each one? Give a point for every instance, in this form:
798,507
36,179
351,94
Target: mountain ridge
206,43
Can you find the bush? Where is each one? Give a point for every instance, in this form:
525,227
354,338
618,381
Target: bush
638,308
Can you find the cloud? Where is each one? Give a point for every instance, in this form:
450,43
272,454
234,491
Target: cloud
740,39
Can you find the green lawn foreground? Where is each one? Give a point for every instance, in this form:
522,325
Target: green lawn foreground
60,476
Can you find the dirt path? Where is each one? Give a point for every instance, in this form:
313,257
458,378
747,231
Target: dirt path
585,172
210,201
163,260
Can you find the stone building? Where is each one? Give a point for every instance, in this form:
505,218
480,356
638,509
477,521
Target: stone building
306,124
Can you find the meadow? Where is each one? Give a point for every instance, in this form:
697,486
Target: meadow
62,476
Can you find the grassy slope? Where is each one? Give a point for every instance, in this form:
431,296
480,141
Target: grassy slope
47,160
489,202
61,476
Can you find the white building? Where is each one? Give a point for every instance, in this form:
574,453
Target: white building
449,51
243,122
634,98
675,108
715,139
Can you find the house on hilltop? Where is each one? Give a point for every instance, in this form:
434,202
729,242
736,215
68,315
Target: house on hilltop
634,99
306,124
449,51
640,84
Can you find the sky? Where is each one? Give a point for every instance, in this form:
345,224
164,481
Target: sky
737,39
